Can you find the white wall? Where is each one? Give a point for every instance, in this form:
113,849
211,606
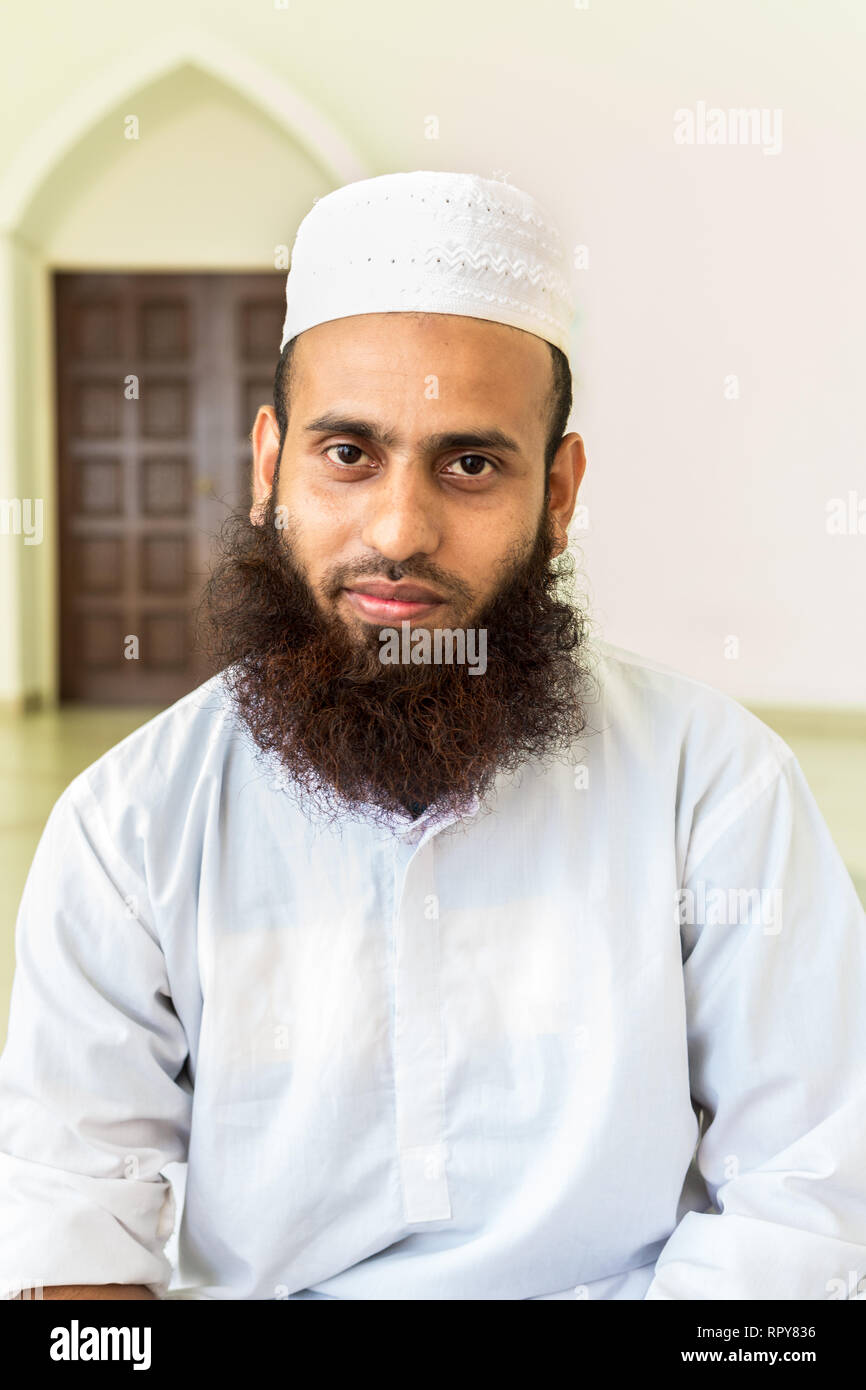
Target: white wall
707,515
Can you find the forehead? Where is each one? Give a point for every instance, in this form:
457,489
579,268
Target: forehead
450,363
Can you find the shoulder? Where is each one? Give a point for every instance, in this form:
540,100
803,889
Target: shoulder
157,771
642,695
723,754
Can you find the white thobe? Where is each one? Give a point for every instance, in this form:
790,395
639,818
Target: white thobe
604,1038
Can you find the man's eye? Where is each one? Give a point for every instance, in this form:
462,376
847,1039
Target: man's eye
471,465
351,449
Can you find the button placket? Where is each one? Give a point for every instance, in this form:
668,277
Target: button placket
419,1043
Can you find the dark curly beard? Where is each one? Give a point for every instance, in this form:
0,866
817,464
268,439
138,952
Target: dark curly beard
384,741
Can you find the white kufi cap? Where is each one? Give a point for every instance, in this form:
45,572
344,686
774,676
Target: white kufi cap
435,242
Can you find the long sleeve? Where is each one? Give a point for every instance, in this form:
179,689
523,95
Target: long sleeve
776,1009
94,1100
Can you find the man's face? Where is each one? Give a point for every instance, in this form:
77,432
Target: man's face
412,472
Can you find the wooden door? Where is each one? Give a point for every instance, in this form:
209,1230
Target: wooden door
158,380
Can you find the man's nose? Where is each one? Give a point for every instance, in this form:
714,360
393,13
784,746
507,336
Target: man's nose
403,516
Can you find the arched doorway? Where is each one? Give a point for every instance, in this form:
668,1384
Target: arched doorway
227,160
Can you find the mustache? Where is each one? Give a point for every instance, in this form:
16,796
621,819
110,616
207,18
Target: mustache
339,577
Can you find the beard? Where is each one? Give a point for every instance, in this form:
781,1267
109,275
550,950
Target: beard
358,736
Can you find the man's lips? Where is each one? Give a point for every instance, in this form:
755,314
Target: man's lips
379,600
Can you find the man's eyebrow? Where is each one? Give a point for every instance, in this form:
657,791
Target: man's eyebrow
376,433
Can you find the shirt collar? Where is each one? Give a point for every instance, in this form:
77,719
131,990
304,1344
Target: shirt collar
431,821
428,824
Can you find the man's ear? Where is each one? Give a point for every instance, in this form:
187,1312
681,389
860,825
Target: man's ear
566,476
265,440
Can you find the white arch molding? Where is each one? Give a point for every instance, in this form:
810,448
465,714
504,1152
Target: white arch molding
28,581
91,102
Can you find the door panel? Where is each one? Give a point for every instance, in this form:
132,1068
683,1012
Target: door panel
159,380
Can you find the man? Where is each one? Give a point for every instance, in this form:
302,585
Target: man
537,976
